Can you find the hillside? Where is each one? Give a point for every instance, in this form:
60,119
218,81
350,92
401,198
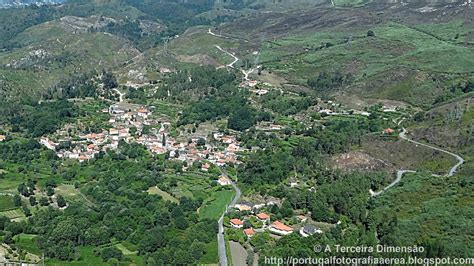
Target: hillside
134,132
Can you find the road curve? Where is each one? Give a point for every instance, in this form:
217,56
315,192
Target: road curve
220,235
459,158
400,173
231,65
120,94
399,177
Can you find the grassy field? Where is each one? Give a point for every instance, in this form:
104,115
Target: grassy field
124,250
71,194
28,243
215,206
198,42
6,202
87,258
165,195
211,256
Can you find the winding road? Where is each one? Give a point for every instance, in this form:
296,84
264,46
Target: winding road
120,94
220,235
231,65
400,173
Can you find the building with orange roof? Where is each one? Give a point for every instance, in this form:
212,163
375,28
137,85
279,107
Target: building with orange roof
249,232
2,138
279,228
236,223
263,217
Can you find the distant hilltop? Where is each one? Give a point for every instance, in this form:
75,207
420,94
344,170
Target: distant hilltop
19,3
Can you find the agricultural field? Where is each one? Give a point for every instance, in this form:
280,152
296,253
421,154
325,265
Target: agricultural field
15,214
27,242
6,202
192,185
216,204
165,195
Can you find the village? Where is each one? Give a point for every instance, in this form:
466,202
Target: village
134,123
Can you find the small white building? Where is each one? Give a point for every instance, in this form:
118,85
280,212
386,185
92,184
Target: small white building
224,181
280,229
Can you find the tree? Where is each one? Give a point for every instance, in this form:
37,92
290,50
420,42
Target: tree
44,201
370,33
152,241
181,222
32,200
61,201
110,252
197,250
286,210
23,190
8,238
17,200
109,80
242,119
3,221
49,191
201,142
26,211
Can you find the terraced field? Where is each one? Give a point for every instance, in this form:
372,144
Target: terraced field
15,214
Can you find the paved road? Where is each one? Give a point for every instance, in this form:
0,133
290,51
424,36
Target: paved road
399,177
400,173
220,234
459,158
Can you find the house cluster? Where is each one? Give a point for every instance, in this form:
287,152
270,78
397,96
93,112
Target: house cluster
249,232
276,227
127,123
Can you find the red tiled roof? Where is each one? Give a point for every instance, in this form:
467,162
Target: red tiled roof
236,222
249,232
263,216
282,227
